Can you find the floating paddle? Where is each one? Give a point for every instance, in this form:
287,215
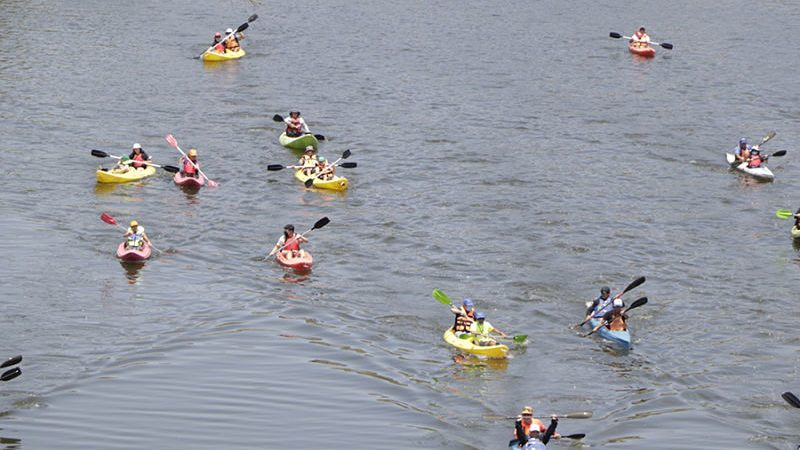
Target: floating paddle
634,284
109,219
102,154
784,214
310,182
241,28
174,143
11,374
637,303
11,361
320,223
615,35
279,118
791,399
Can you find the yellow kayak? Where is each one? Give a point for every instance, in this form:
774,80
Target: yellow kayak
109,176
493,351
227,56
336,184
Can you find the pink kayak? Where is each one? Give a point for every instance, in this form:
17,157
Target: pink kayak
190,182
300,263
133,254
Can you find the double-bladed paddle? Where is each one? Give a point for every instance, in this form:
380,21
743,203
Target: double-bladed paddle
444,299
279,118
319,224
11,373
637,303
634,284
347,165
174,143
575,415
616,35
791,399
346,154
102,154
766,139
109,219
241,28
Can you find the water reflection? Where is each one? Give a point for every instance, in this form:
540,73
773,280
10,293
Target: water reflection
10,443
132,270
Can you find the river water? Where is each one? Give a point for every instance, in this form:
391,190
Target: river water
499,158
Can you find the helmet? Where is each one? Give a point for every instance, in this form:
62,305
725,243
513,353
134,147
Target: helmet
125,158
134,223
605,290
217,34
310,148
289,227
321,159
479,315
755,151
192,152
468,303
618,303
743,140
228,30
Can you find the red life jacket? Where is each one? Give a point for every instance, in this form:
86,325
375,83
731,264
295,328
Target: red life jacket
755,161
639,35
188,167
292,244
138,157
219,48
294,127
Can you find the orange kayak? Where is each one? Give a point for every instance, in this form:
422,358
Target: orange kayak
645,51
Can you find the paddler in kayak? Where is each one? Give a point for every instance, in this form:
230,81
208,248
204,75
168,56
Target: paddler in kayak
232,42
218,46
189,164
614,320
123,165
640,38
308,162
324,170
482,330
526,427
465,316
600,305
755,159
139,156
742,152
296,125
289,243
135,236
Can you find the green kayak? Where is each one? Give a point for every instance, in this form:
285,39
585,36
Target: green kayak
298,143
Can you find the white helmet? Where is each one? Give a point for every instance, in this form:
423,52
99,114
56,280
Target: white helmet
136,145
618,303
229,31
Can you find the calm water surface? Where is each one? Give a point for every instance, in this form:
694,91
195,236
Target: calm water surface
510,152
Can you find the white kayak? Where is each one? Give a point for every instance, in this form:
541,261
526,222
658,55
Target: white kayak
762,173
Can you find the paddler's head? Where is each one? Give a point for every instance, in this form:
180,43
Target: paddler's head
743,143
134,224
309,150
288,230
755,151
605,291
618,303
192,154
480,316
527,414
469,305
136,147
294,114
641,30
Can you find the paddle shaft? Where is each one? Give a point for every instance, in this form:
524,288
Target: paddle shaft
666,45
239,29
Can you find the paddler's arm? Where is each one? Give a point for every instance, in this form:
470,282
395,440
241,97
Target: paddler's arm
551,430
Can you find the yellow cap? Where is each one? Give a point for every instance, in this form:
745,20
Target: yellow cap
192,152
527,411
134,223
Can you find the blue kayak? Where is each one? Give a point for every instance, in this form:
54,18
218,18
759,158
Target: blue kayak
620,338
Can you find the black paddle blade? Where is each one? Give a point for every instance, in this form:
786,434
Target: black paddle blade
252,18
277,118
319,137
574,436
346,154
99,153
321,223
11,374
791,399
635,283
309,182
171,169
242,27
779,153
667,45
637,303
614,35
275,167
12,361
349,165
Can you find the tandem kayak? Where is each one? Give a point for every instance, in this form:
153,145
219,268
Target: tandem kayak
337,183
299,263
226,56
189,182
762,173
620,338
795,233
133,174
645,51
299,142
491,351
133,254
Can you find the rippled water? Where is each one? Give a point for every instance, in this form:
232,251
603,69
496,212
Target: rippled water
508,152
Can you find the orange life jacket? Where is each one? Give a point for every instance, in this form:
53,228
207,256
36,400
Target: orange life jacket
755,161
138,158
188,167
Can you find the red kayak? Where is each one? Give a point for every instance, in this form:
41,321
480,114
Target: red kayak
190,182
299,263
645,51
133,254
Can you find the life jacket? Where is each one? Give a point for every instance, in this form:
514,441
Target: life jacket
294,127
463,322
641,37
232,43
617,324
755,161
136,239
291,244
138,158
188,167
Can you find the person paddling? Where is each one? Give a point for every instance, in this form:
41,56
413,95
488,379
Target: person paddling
526,427
218,45
539,440
308,162
756,159
616,319
465,316
640,38
232,42
138,156
742,152
136,237
600,305
189,164
123,165
324,170
482,330
289,243
295,125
